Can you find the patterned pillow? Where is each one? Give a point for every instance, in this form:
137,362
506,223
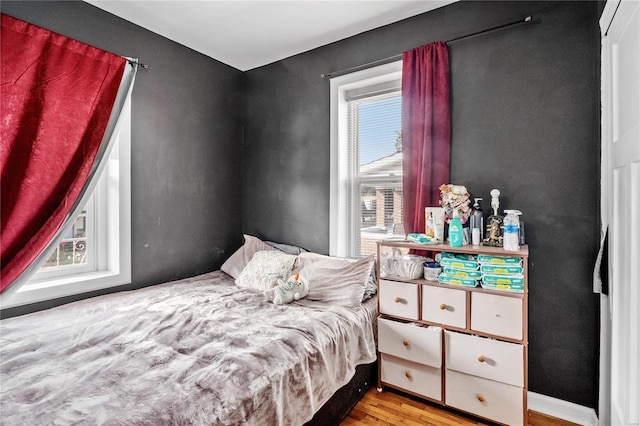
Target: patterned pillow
265,268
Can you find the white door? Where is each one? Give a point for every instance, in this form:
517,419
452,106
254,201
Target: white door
620,24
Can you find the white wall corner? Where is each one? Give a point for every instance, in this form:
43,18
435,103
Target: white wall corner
561,409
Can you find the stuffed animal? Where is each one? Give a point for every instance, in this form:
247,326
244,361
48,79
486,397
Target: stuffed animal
294,288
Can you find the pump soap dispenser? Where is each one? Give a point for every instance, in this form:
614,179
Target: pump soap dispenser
493,235
477,223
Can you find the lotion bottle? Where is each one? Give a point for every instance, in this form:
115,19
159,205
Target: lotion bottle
455,230
477,223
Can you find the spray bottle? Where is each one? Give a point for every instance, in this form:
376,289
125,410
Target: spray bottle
512,230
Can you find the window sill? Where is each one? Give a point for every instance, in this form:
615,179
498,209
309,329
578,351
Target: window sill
55,288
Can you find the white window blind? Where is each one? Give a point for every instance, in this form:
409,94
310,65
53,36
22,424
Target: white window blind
374,161
366,165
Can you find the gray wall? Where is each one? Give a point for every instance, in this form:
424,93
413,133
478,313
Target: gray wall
187,112
525,114
525,120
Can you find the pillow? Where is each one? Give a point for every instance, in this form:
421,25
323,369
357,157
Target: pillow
287,248
265,268
336,280
371,287
238,260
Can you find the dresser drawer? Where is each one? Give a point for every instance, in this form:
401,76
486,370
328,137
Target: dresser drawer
398,299
491,359
410,376
486,398
498,315
444,306
411,342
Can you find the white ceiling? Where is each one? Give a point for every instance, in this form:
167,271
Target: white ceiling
248,34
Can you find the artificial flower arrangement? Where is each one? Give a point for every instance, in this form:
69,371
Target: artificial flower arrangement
455,197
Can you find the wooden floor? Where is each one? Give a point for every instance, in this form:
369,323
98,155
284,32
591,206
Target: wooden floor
391,407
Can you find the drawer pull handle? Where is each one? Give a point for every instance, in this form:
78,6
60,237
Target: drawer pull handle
397,300
481,358
443,306
405,342
480,397
408,374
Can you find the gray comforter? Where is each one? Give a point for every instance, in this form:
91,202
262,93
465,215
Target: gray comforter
196,351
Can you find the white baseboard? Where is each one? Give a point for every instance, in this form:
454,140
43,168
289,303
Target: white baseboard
562,409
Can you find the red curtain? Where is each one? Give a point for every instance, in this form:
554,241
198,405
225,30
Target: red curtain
56,98
426,130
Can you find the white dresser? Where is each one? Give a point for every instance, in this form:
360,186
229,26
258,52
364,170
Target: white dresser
463,347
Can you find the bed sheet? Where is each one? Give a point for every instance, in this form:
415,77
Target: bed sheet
194,351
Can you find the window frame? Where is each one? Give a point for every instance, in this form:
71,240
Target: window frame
112,263
340,227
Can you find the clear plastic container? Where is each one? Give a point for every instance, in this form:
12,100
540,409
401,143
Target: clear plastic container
408,266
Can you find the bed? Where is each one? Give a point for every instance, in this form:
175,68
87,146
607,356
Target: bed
202,350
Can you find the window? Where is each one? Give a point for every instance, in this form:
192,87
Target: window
72,250
96,252
366,159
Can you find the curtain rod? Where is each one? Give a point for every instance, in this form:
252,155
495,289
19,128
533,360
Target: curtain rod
526,20
135,61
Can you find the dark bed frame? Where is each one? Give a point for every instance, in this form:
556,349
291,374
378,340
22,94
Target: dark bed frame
337,408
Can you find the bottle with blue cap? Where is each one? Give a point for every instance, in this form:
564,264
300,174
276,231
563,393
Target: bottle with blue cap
511,239
455,230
